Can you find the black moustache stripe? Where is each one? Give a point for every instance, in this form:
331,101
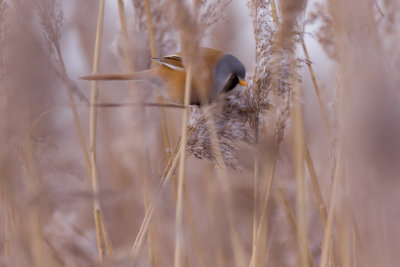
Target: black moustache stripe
232,82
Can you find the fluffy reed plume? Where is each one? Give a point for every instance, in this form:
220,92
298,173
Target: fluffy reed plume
51,18
234,118
325,33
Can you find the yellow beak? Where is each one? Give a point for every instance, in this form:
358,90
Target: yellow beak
243,82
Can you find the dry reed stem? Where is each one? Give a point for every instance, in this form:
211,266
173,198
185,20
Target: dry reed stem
292,219
315,184
54,252
92,136
34,225
317,90
192,228
274,12
73,108
29,163
307,156
127,56
347,258
107,239
164,116
97,217
313,176
310,166
356,243
37,238
83,146
223,179
6,218
255,192
150,29
328,232
179,231
270,176
299,138
220,260
268,187
82,142
151,237
169,170
258,218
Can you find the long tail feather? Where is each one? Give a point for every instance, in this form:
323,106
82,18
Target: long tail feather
142,75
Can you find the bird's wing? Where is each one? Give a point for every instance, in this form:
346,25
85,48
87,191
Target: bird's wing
210,56
173,62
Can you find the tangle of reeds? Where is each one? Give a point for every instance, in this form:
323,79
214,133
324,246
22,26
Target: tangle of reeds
298,168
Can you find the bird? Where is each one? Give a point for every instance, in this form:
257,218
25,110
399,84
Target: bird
218,73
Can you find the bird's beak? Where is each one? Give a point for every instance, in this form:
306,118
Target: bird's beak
243,82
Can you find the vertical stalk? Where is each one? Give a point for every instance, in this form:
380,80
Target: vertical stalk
153,257
317,90
316,187
73,107
163,112
226,191
274,14
92,130
150,29
299,172
255,192
328,232
292,219
134,252
181,173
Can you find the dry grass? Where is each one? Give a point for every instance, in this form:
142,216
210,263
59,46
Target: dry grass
298,169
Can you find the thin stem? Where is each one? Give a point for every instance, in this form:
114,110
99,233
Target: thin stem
92,130
294,223
274,14
82,143
73,108
224,181
299,152
169,170
255,192
192,228
153,257
317,90
316,187
267,195
181,173
327,234
163,112
150,29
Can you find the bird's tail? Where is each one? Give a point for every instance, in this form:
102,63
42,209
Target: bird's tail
141,75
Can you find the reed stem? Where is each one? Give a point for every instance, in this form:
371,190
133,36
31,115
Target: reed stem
101,233
179,233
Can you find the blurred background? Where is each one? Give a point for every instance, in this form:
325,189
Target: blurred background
339,207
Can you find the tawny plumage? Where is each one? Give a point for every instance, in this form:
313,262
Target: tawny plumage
216,73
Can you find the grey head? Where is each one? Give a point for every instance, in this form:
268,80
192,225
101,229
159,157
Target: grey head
228,72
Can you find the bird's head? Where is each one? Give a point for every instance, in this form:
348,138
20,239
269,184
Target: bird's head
228,73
